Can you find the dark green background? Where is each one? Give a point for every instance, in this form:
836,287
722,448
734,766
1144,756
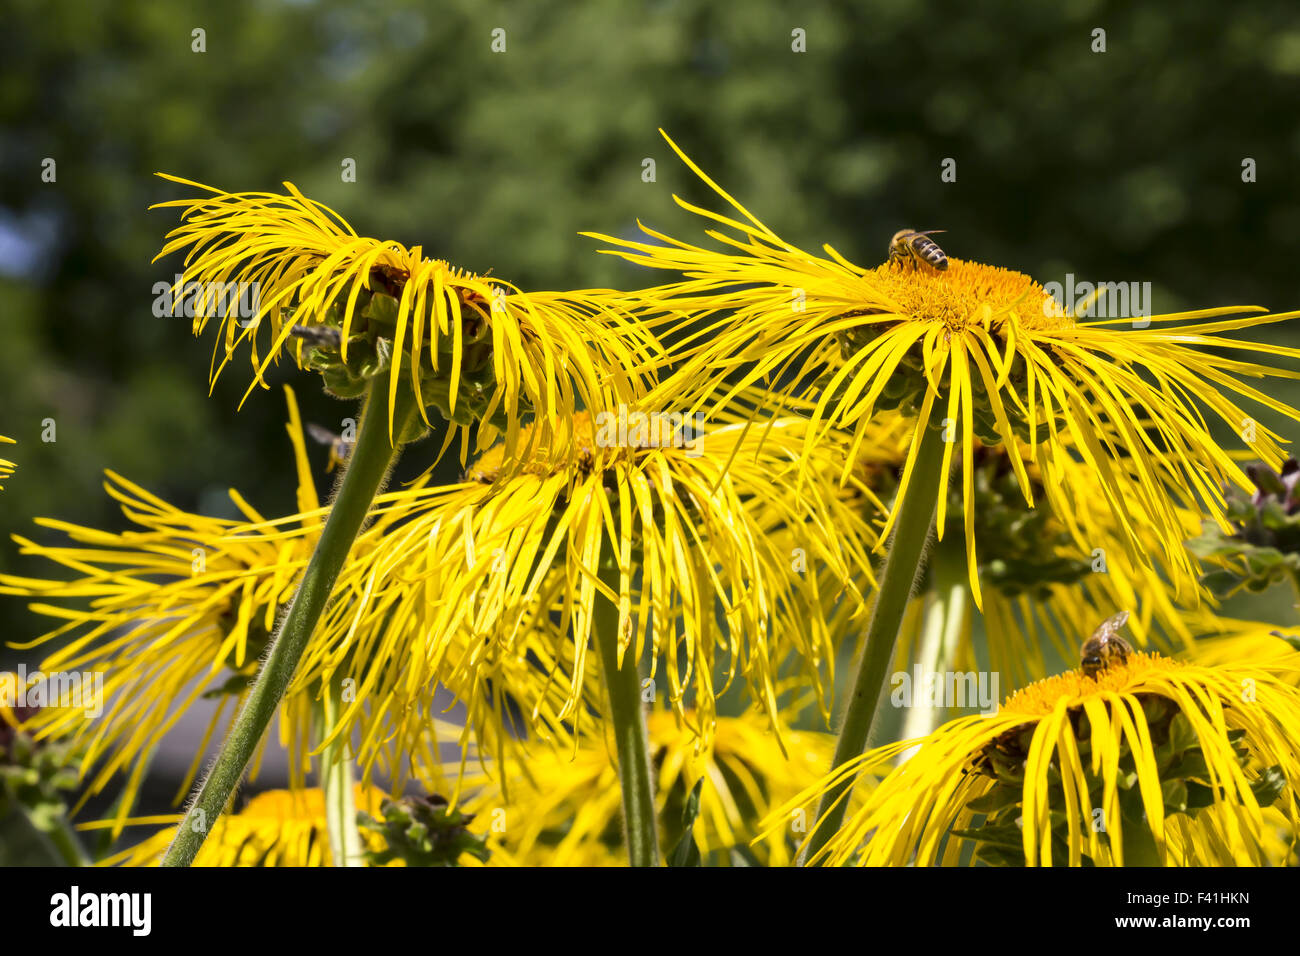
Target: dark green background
1122,166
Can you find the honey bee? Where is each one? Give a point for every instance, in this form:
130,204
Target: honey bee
1105,647
339,447
318,336
910,246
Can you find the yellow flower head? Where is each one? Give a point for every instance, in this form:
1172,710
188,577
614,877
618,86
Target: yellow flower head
275,828
562,808
1049,571
475,347
674,541
1152,761
975,350
181,606
186,605
161,610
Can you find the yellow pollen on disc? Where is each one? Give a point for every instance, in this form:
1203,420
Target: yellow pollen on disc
969,293
1040,698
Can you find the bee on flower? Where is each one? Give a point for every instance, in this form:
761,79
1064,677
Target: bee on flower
1149,762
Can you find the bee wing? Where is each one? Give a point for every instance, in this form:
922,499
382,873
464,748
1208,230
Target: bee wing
322,435
1111,626
929,232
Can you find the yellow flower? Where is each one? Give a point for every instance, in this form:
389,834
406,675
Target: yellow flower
1153,761
161,611
679,535
562,807
276,828
187,606
6,466
1256,642
167,609
476,347
1048,572
975,350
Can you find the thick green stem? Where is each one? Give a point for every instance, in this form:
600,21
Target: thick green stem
902,566
945,619
337,782
367,468
627,717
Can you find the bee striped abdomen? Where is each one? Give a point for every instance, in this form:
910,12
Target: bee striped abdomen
929,250
911,247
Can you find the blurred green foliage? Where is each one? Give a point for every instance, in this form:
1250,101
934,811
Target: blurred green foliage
1118,166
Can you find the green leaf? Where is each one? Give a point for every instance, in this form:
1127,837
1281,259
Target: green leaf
1213,545
234,685
1006,835
995,799
1222,583
686,853
1199,796
1269,786
382,311
1174,793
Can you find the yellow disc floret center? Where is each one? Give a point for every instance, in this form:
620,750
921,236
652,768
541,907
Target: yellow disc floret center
1040,698
968,293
